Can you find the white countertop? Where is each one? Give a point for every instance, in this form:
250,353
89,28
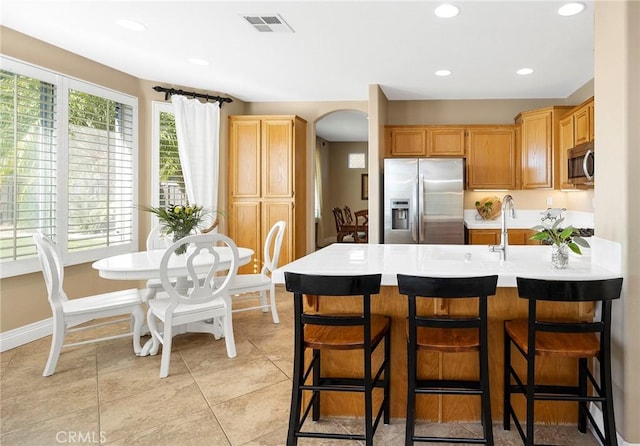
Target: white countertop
447,261
526,219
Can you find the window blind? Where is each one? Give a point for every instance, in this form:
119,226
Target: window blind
28,119
100,172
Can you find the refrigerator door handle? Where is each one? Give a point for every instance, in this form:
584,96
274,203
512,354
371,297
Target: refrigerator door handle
421,205
413,211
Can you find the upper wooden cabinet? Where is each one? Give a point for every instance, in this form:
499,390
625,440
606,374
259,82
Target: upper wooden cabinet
539,147
406,141
583,123
575,128
565,128
492,158
445,141
592,120
245,149
277,157
423,140
267,183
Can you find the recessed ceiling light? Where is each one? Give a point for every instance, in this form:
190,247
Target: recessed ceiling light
131,25
200,62
447,11
443,73
572,8
524,71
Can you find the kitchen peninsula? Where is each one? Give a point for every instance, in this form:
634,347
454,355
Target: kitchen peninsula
602,261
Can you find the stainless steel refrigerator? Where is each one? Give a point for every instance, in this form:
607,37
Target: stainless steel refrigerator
424,200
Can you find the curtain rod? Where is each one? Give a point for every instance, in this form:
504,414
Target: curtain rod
170,91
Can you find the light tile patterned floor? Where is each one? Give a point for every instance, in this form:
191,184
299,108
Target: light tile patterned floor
104,394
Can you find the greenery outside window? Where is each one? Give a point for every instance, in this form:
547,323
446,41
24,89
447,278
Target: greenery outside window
167,179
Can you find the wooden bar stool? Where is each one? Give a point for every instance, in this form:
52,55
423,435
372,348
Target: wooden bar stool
580,340
321,332
448,335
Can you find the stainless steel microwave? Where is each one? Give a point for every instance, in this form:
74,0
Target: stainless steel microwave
581,165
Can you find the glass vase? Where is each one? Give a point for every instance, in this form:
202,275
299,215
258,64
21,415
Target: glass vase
177,235
560,256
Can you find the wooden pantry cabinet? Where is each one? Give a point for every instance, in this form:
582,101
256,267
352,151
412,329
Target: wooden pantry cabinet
412,141
266,183
492,158
539,147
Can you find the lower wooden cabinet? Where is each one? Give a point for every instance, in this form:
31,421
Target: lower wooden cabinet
492,237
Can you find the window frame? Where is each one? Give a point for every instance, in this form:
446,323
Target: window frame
63,83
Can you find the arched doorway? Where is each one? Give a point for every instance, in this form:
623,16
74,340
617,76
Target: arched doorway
341,158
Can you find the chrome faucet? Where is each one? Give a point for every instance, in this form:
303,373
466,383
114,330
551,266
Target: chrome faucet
507,203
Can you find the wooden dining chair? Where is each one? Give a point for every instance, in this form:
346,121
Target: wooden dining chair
361,220
348,216
342,229
72,312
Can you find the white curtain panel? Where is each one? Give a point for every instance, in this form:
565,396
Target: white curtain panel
198,132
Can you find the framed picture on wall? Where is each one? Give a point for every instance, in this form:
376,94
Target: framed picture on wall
364,187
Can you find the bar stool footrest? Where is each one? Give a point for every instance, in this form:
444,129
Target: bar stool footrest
444,387
449,440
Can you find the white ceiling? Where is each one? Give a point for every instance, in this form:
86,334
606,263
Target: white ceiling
337,50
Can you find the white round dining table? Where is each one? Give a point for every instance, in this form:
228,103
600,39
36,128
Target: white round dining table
145,265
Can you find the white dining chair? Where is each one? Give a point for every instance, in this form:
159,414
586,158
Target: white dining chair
252,283
155,240
72,312
195,297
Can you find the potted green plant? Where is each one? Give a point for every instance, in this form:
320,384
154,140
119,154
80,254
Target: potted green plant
178,220
560,239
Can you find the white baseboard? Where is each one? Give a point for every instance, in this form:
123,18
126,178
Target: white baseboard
596,413
23,335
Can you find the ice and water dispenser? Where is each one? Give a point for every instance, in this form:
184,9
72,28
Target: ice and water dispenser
400,214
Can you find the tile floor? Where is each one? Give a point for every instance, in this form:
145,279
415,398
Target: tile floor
104,394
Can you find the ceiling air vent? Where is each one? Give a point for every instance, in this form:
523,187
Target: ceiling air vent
267,23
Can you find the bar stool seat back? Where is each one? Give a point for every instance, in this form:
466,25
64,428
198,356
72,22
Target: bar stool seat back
581,340
320,332
447,334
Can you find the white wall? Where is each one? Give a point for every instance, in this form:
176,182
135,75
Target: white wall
617,209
